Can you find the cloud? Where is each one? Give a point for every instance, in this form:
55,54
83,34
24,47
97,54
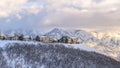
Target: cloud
91,14
46,14
8,7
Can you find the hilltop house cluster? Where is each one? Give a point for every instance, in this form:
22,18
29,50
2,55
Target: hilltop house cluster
45,39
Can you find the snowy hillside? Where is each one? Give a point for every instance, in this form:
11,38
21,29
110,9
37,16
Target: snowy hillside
38,55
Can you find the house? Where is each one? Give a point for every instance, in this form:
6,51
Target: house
10,37
3,36
75,41
66,39
46,39
15,37
28,38
21,37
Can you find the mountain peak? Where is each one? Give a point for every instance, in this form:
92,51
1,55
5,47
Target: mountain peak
58,33
57,29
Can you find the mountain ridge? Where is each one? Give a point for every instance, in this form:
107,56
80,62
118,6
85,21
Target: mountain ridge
100,38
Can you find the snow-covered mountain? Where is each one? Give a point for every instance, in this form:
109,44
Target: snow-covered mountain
24,32
108,38
56,33
81,35
98,38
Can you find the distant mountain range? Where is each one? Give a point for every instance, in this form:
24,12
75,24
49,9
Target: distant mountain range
81,35
99,38
24,32
95,37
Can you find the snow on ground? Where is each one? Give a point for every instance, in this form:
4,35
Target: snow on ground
4,43
84,47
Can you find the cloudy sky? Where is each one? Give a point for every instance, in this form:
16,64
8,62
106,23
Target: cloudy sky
44,15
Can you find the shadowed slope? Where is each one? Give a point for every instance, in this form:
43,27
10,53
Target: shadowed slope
52,56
